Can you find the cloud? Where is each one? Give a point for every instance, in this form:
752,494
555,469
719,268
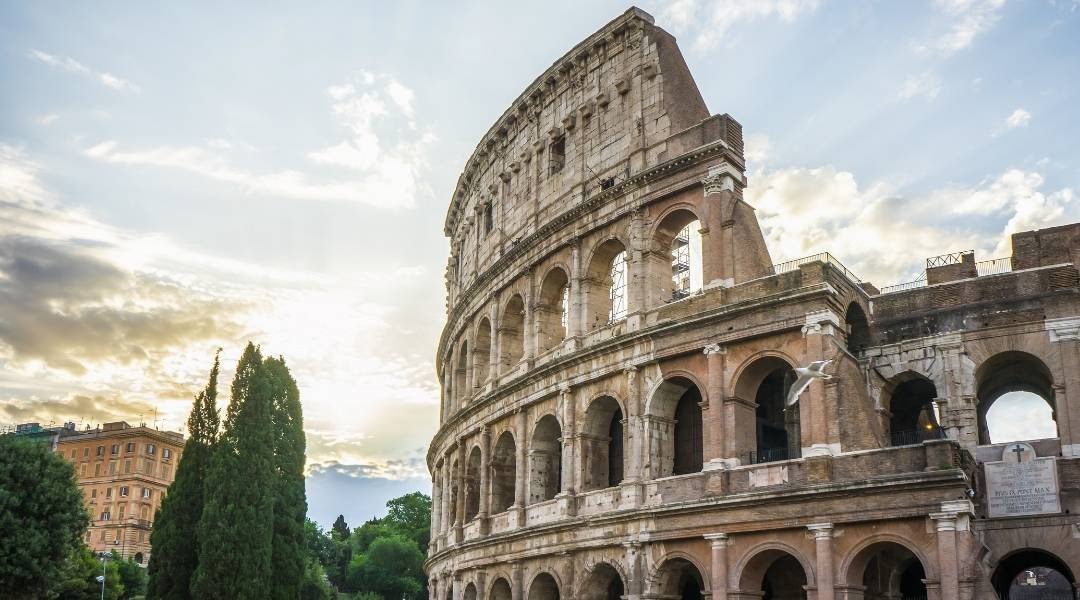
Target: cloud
882,234
70,64
712,20
1018,118
375,173
968,19
48,119
925,84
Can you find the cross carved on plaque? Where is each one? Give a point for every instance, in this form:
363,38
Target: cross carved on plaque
1019,451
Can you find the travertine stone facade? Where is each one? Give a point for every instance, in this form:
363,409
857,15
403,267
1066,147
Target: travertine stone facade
611,427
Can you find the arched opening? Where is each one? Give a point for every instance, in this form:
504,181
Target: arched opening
679,238
511,333
604,583
679,578
912,417
500,590
545,460
472,485
887,570
675,428
776,426
1028,412
544,588
553,310
1032,574
482,354
469,593
461,370
455,492
605,286
602,442
776,574
503,473
139,558
858,329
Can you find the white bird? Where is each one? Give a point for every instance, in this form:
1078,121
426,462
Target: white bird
806,375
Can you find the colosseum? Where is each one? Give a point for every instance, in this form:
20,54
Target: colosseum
620,348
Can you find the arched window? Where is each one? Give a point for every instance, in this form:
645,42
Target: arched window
500,590
887,570
472,485
679,578
1015,399
776,574
553,311
482,356
606,286
602,445
675,423
766,382
678,237
511,333
1033,573
858,329
544,588
603,583
469,593
545,460
503,473
455,492
913,418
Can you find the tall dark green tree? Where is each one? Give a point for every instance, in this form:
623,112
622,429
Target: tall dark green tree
236,531
175,537
290,502
340,530
42,517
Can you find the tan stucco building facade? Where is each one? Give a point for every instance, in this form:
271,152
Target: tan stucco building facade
124,473
619,348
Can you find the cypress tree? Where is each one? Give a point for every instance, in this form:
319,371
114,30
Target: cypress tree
175,539
290,502
236,530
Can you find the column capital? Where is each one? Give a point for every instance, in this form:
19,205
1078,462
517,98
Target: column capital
718,540
564,387
1063,330
945,521
821,531
721,178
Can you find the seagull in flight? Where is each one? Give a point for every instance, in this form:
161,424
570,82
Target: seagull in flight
806,376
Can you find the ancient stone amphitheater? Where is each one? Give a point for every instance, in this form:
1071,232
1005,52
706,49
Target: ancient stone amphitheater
619,346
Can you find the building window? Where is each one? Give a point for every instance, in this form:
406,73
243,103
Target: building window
112,467
618,288
127,466
108,492
556,155
93,494
131,447
124,491
72,453
86,452
166,472
166,453
123,507
148,467
146,492
489,217
105,515
88,534
97,470
150,449
115,449
102,536
82,470
101,450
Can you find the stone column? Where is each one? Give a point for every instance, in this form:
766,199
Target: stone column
636,268
436,507
634,578
948,567
575,312
714,451
459,517
447,520
717,236
521,466
823,534
719,570
568,485
529,326
1065,334
485,479
813,404
517,581
495,353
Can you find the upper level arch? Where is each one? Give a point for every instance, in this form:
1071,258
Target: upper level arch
676,258
605,286
553,308
1029,385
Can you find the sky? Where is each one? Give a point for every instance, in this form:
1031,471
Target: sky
176,178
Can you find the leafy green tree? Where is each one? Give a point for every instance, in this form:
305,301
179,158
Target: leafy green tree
317,541
411,515
340,530
314,585
132,576
392,567
42,517
78,579
290,501
236,531
175,536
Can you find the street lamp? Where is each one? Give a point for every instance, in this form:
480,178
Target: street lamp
101,578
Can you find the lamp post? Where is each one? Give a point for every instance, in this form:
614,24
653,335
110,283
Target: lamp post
101,578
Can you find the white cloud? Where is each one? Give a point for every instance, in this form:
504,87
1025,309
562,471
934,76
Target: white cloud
720,16
70,64
968,19
925,84
48,119
757,148
882,234
378,173
1018,118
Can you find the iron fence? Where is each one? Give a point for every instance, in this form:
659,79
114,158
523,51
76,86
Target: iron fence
914,436
952,258
824,257
994,266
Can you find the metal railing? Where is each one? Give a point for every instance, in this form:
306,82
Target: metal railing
914,436
910,285
994,266
952,258
767,455
824,257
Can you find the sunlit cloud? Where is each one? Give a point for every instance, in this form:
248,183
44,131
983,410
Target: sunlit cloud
70,64
710,22
966,20
1019,118
922,85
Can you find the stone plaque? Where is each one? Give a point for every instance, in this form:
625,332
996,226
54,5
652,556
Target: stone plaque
1021,484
